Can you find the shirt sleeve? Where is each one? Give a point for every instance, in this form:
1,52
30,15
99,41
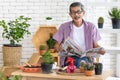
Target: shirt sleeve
96,34
59,34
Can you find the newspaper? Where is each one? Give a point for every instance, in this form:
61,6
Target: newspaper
71,48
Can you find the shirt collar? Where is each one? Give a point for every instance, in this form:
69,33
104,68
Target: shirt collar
71,24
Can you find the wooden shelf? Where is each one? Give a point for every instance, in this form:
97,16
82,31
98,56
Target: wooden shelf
57,58
109,30
111,48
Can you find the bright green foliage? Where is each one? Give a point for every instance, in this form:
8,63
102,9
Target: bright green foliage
2,76
100,20
15,77
15,30
48,58
115,13
51,42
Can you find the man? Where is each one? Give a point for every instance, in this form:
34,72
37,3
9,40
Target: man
82,32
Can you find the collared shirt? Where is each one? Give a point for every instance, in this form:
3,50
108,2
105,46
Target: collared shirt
66,30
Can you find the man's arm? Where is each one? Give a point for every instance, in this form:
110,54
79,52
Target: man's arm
58,47
95,45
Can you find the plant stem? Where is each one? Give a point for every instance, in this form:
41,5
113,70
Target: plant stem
12,42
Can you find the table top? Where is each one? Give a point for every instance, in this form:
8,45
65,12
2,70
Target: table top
54,75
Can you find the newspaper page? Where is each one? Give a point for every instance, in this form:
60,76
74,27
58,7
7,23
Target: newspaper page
71,48
94,52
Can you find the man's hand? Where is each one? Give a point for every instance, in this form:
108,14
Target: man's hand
58,47
102,51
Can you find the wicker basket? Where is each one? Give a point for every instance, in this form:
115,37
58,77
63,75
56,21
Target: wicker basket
11,55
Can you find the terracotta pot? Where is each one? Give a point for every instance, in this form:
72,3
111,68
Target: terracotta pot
82,70
52,50
89,73
42,52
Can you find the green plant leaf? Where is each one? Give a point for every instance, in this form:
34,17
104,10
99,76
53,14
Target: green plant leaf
48,58
114,13
51,42
2,76
15,30
15,77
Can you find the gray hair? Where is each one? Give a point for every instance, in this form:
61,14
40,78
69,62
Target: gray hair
75,4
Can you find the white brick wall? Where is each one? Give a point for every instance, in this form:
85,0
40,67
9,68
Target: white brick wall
58,9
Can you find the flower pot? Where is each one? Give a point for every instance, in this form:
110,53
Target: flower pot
116,23
98,71
98,68
42,52
100,25
52,50
49,22
89,72
82,70
11,55
46,68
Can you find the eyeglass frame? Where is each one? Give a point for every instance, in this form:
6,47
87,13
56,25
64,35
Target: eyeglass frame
78,12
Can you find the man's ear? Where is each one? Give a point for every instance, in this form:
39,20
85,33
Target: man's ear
84,12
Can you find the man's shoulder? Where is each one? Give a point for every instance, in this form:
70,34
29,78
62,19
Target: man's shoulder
89,24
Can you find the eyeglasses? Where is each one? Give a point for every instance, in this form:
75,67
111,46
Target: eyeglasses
78,12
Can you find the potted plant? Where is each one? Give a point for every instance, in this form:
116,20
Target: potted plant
14,31
42,49
51,42
100,22
115,17
47,63
82,65
98,68
48,20
89,69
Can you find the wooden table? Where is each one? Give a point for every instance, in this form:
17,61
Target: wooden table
54,76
